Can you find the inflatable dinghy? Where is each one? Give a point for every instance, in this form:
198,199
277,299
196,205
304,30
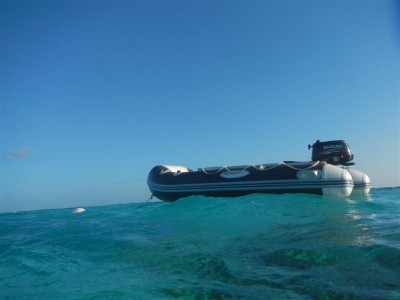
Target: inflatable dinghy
327,174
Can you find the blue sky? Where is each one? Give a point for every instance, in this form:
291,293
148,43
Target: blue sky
95,93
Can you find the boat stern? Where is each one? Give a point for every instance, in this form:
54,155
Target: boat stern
337,181
362,183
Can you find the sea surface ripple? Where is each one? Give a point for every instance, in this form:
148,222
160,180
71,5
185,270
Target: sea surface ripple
252,247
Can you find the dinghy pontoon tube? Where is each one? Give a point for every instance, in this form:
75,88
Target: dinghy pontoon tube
327,174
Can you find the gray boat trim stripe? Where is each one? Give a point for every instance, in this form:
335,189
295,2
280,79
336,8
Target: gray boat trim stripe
256,185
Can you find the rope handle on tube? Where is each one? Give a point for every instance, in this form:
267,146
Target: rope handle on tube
260,168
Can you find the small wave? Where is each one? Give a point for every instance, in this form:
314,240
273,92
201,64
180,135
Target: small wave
252,247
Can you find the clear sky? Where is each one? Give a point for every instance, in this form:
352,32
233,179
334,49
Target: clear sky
96,93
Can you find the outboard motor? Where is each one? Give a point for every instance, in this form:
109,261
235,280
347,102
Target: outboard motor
333,152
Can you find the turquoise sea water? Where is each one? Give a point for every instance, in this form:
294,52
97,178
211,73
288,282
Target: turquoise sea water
252,247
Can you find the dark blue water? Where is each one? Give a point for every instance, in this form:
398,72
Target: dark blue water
252,247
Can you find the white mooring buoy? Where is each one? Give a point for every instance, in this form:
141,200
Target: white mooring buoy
78,210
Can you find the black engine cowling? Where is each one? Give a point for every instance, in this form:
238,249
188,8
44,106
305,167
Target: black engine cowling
333,152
